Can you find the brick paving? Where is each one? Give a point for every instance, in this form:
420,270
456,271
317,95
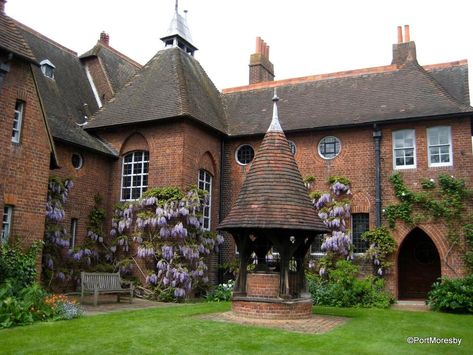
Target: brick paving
318,324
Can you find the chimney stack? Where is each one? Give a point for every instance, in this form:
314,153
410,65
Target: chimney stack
404,51
261,69
2,6
104,38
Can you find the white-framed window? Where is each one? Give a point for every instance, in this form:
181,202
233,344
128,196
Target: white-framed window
292,146
17,121
73,233
6,223
439,140
47,68
205,183
315,247
134,175
244,154
329,147
404,149
360,223
77,161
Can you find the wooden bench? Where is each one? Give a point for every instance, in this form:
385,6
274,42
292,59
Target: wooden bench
104,283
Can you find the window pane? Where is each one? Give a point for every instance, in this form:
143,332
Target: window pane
360,224
135,174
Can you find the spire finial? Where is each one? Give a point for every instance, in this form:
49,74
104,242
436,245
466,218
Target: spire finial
275,126
177,5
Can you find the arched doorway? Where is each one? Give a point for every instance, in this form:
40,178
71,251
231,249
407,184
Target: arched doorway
418,265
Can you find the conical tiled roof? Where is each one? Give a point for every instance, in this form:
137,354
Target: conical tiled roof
273,194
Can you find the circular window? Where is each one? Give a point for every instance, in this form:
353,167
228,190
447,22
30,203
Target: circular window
244,154
292,146
77,161
329,147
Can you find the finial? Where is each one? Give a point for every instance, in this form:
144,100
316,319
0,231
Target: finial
275,126
177,5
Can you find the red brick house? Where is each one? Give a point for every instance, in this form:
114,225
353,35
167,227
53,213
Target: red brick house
119,128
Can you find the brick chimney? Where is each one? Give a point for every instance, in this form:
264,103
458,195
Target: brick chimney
2,6
404,51
104,38
261,69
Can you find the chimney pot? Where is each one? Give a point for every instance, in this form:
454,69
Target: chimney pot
407,35
258,45
104,37
2,6
261,69
399,34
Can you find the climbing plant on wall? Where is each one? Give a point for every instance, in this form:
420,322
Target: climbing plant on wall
446,199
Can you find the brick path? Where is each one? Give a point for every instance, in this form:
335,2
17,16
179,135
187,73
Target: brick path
317,324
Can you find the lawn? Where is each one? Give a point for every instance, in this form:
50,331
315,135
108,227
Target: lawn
176,330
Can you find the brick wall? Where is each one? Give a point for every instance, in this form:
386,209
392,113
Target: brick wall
92,179
100,78
24,166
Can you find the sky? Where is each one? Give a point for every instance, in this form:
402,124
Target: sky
305,37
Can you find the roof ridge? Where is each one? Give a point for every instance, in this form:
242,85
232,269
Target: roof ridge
100,45
43,37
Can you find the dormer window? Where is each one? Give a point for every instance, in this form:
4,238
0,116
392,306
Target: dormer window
47,68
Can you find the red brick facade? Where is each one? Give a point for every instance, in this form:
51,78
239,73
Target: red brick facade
24,166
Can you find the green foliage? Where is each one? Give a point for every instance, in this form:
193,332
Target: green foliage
19,266
164,194
341,179
343,288
222,292
382,245
24,306
468,257
452,295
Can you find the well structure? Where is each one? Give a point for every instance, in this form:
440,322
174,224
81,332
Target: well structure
273,210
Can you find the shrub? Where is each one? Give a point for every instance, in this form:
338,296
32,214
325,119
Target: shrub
222,292
63,307
17,266
342,288
452,295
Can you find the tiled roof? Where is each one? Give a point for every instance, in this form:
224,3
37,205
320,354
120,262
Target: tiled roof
12,41
68,97
273,194
387,94
171,84
119,68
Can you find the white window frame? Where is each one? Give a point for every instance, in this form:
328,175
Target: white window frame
6,223
204,182
45,65
73,233
18,121
450,148
322,142
236,154
411,166
144,164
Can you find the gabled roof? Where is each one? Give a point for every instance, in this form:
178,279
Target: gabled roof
118,67
12,41
67,98
172,84
352,98
273,194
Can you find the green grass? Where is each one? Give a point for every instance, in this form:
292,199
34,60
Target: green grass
175,330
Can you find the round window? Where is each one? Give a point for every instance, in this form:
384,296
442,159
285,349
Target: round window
329,147
244,154
77,161
292,146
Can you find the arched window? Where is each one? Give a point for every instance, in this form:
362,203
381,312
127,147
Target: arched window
134,175
205,183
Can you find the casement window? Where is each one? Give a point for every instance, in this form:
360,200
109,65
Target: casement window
73,233
360,223
47,68
292,146
205,183
6,223
17,121
439,140
329,147
134,175
404,149
315,247
244,154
